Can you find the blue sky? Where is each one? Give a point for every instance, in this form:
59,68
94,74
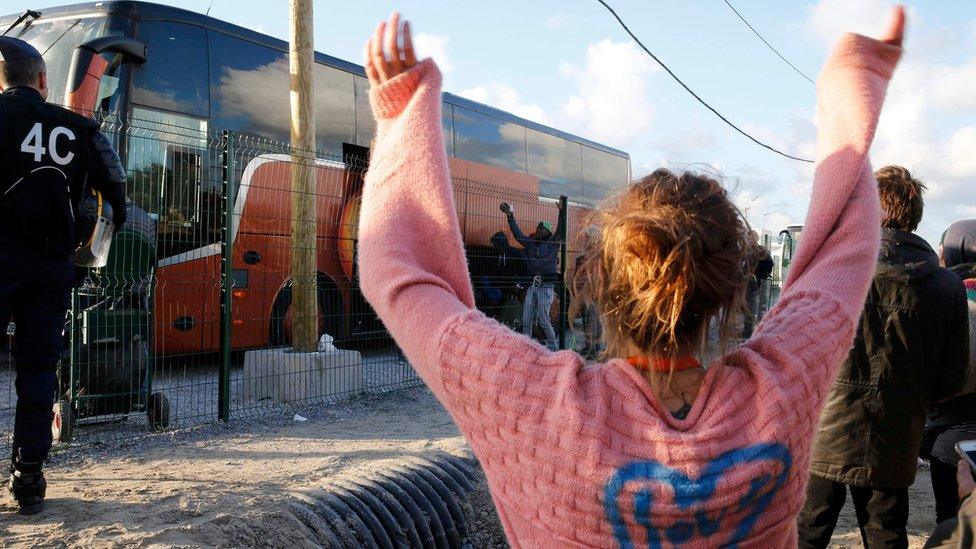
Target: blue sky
569,65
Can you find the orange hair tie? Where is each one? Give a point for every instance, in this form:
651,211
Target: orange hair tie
659,364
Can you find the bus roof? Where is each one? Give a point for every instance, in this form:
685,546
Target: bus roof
136,10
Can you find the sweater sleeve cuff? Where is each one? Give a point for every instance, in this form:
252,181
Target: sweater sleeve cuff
861,52
391,97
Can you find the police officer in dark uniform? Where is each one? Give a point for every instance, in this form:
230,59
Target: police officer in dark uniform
49,157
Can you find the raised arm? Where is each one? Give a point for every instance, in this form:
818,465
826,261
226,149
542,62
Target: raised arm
840,239
810,330
517,232
411,259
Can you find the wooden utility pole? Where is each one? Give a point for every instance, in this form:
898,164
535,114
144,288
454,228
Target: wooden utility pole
304,305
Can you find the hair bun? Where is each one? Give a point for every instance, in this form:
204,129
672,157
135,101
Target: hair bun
673,253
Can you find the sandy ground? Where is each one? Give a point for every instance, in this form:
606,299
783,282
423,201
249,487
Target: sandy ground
226,485
222,486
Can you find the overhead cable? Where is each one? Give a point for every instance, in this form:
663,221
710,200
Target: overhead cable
770,46
695,95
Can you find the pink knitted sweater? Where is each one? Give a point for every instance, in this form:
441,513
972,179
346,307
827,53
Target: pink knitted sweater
584,454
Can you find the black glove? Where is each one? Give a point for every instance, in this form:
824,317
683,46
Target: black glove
506,209
81,276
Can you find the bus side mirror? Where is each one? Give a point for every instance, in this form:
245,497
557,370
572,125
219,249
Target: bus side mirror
132,51
88,67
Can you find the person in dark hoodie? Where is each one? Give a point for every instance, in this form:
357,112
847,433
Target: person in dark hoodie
507,269
954,420
542,269
910,351
497,274
764,269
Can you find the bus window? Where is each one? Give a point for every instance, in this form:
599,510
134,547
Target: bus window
603,172
447,123
250,88
557,164
335,109
365,124
57,40
486,139
175,76
175,177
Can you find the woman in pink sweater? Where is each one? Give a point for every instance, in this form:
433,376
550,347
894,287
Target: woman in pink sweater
648,448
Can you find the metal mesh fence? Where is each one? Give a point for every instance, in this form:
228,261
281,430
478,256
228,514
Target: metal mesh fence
192,320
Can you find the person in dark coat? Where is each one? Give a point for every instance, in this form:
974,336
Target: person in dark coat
954,420
507,269
911,351
542,250
763,270
497,273
50,158
592,326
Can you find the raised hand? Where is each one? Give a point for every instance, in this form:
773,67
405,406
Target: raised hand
390,51
896,27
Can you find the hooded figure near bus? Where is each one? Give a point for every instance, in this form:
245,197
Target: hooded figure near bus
542,249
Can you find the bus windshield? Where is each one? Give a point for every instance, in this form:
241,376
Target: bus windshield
57,40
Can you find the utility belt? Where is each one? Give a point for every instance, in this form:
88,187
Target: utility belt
540,281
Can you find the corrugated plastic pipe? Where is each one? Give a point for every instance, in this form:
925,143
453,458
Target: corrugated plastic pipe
419,502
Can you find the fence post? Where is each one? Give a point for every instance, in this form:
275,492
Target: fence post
226,275
563,259
73,356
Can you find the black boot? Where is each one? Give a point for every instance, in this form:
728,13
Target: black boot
28,486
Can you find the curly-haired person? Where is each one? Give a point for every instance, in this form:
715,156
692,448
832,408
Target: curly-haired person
651,446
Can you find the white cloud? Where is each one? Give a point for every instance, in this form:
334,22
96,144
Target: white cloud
506,98
557,21
687,144
961,153
829,19
954,87
612,104
760,195
434,45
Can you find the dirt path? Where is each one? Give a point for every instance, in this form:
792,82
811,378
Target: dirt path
220,490
225,486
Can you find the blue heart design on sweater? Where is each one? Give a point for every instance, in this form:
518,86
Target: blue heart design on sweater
689,493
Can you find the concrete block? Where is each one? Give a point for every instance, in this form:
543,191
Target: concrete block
286,376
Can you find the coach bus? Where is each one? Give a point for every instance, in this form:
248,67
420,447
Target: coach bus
196,76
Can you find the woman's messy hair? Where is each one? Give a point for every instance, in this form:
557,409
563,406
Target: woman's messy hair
670,254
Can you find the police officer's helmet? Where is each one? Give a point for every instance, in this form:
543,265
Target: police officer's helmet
94,221
15,49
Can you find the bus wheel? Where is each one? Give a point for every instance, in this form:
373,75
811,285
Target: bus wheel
330,313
